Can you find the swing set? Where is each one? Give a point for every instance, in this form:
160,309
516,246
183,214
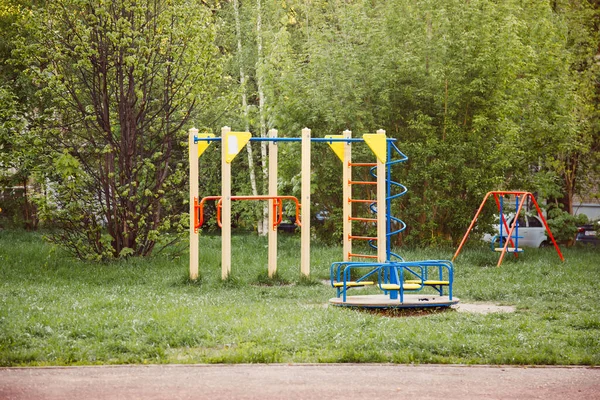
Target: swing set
511,244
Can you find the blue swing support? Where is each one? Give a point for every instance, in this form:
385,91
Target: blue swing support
503,225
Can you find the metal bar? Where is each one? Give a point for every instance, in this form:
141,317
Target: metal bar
517,224
362,255
546,226
363,164
362,237
361,183
464,239
284,139
362,219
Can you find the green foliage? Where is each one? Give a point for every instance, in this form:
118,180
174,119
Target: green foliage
481,95
564,225
125,78
19,110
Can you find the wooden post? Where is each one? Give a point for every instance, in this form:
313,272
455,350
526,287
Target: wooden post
347,195
305,201
381,209
193,160
226,205
272,265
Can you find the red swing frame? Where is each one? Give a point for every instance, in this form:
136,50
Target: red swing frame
522,197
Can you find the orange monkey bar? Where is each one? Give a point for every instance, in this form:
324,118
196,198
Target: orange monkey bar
362,182
522,196
277,208
361,201
358,164
352,237
362,219
353,255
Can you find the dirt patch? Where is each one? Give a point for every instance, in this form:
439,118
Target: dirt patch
407,312
483,308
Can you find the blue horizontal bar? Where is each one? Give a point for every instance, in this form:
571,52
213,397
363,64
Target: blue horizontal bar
285,139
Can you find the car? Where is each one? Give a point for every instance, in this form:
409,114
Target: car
589,234
289,226
532,232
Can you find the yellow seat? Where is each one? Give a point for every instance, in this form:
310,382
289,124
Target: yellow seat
429,282
406,286
352,284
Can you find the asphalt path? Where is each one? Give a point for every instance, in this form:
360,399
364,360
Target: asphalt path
299,381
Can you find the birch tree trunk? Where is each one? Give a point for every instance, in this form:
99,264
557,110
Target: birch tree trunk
261,110
251,169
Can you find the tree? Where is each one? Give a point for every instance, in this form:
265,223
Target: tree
480,94
125,77
19,110
577,160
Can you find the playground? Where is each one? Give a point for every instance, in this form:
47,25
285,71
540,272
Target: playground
239,298
402,283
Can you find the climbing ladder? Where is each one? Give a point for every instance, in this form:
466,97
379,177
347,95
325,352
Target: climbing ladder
371,205
389,271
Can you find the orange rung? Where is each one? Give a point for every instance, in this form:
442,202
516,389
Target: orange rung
362,219
362,183
361,201
359,164
351,237
361,255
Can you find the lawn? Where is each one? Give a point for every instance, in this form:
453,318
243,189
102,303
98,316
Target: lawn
55,310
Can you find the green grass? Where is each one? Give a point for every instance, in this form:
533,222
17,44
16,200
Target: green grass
58,311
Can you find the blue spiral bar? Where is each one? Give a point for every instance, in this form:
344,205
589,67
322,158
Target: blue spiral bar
392,149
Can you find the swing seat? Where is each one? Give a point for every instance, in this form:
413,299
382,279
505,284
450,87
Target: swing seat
495,241
509,249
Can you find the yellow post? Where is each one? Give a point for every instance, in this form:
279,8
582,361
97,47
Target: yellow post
305,201
193,160
226,205
272,266
381,207
347,195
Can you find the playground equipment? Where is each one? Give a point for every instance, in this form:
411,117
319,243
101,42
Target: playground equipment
512,236
389,272
231,144
399,280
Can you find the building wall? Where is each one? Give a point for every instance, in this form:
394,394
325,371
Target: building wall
592,210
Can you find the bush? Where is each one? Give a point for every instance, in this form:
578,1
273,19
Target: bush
564,225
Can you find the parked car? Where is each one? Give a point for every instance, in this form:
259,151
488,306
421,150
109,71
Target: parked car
588,234
289,226
532,232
